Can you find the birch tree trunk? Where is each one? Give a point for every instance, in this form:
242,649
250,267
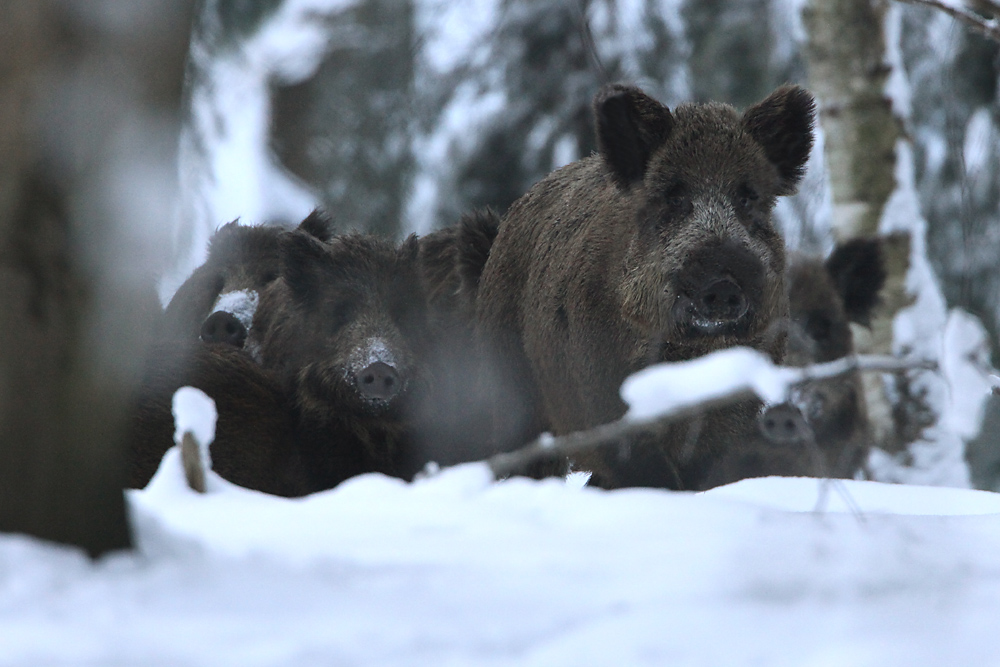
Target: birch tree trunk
89,110
846,55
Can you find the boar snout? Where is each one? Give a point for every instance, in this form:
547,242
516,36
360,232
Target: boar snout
783,424
379,382
223,327
722,301
719,289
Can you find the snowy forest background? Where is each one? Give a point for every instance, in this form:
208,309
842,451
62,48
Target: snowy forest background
399,116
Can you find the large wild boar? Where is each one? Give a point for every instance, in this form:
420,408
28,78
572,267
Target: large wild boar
658,248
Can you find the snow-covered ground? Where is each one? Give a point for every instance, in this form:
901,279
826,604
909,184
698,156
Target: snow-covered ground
458,570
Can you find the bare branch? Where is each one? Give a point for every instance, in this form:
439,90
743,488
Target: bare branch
870,363
546,451
987,27
192,460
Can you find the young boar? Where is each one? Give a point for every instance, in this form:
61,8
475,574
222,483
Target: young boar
216,303
823,430
344,329
658,248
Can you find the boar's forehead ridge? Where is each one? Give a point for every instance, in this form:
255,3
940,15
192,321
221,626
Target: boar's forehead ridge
709,148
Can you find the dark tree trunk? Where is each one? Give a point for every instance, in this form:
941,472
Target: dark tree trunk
89,106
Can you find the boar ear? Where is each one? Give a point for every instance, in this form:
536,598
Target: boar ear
318,224
477,231
302,259
222,236
783,125
630,127
857,268
409,250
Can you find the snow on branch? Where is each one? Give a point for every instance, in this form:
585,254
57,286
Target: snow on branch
665,394
987,27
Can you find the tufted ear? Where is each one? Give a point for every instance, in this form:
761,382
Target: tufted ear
630,126
409,250
303,260
318,224
783,125
477,231
857,268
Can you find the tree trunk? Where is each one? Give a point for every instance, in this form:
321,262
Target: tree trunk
848,69
89,112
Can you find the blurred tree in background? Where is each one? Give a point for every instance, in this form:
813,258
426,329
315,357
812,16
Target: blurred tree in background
345,129
89,117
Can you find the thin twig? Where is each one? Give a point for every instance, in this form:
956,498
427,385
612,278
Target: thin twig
987,27
550,448
564,446
873,363
588,42
194,471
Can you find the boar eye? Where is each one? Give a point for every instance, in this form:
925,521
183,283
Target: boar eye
746,196
406,309
676,199
339,315
820,326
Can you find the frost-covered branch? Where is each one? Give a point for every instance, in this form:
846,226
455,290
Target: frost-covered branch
987,27
543,456
872,363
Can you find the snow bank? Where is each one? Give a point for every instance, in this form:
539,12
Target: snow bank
805,494
458,570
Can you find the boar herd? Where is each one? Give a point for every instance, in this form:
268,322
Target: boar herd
334,354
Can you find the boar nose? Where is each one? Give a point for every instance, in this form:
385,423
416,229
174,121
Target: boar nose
721,301
784,424
223,327
379,381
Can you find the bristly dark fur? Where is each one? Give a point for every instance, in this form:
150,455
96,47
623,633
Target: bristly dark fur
452,261
624,259
239,257
857,268
319,224
253,444
335,308
477,231
438,262
783,124
455,416
831,435
630,126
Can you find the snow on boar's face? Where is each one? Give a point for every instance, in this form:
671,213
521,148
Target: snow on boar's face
706,263
217,302
345,325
